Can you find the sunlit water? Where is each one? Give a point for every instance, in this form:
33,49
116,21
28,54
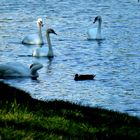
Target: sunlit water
115,60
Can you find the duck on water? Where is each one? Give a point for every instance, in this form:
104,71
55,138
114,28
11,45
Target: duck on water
84,77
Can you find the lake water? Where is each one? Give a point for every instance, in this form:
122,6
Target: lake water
115,60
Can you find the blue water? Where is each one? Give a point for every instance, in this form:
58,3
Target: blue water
115,60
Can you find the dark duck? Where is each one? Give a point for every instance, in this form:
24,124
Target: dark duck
84,77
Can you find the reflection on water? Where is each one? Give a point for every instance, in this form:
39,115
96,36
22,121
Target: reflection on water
114,60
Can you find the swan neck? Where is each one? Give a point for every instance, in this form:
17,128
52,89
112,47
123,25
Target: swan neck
99,26
34,72
50,51
40,32
99,30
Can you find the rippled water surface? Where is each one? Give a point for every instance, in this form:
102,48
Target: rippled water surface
115,60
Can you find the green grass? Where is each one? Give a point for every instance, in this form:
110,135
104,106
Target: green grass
25,118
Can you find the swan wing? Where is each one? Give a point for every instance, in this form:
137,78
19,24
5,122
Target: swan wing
92,33
40,52
32,39
14,69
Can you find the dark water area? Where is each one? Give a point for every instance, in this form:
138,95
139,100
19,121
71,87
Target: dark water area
115,61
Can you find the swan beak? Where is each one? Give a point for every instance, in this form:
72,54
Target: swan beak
54,33
41,23
94,20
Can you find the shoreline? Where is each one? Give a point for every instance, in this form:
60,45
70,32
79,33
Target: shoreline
64,120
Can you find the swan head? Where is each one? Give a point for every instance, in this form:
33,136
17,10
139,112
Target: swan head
98,18
34,68
40,22
50,31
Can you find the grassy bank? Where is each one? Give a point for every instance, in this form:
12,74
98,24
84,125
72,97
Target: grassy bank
22,117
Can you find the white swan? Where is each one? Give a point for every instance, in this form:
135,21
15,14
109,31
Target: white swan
15,69
95,33
35,38
43,51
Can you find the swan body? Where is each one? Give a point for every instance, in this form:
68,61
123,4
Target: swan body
35,38
13,69
95,33
39,52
